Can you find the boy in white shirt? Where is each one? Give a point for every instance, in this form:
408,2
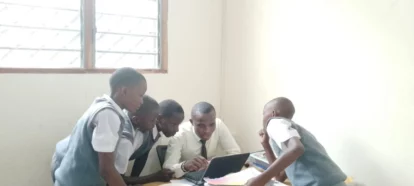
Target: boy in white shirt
303,159
138,139
198,141
89,157
133,138
168,122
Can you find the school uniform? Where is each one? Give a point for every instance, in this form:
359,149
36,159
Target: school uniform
61,148
186,145
133,144
98,130
314,167
151,163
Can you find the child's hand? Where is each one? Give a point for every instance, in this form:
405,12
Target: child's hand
196,164
164,175
264,138
255,182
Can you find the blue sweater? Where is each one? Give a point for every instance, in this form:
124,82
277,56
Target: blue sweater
79,165
314,167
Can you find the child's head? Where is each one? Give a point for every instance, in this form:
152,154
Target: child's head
171,116
146,116
203,118
278,107
127,88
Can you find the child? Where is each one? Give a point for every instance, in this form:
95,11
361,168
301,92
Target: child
89,158
135,136
170,117
288,140
139,137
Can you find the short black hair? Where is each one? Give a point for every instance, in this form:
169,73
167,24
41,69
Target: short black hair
147,106
169,107
125,76
202,108
284,105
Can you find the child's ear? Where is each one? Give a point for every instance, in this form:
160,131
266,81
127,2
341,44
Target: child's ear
135,119
273,113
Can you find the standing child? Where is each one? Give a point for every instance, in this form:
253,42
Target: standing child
89,159
288,140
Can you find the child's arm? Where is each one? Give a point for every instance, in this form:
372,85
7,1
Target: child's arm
269,154
272,158
294,149
288,139
104,141
164,175
108,171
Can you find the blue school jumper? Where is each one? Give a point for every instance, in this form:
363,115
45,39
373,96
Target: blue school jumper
314,167
57,157
80,166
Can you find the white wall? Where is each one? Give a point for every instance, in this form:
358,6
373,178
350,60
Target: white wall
348,66
39,109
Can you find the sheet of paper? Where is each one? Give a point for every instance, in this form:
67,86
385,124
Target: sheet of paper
239,178
180,182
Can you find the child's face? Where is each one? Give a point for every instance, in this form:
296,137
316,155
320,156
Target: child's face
132,96
204,124
169,126
146,122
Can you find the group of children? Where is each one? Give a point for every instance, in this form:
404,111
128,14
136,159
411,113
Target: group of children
126,124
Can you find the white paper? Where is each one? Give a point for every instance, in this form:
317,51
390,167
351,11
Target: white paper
239,178
180,182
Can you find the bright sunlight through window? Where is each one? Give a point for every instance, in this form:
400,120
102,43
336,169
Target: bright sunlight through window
52,34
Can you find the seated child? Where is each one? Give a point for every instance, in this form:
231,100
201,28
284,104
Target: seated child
288,140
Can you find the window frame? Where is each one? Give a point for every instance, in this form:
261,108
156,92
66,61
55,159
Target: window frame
88,31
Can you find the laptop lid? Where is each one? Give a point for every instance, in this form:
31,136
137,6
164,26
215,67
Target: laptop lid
221,166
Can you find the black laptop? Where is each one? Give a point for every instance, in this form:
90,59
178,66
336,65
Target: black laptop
218,167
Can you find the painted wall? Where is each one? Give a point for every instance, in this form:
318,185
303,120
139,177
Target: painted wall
39,109
348,66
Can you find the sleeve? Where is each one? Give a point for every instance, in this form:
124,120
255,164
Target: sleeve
173,156
280,130
227,141
105,134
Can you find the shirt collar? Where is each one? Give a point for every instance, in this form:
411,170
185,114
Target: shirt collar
155,133
116,106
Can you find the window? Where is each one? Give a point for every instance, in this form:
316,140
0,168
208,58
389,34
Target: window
78,36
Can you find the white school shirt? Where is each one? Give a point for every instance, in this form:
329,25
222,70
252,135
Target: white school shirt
152,165
126,149
280,130
186,145
105,134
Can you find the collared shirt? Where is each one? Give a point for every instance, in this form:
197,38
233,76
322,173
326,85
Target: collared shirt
105,134
152,165
185,145
280,130
126,149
